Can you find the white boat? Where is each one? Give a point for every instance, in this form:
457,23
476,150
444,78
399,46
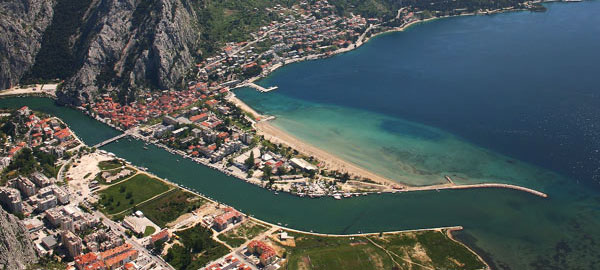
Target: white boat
337,197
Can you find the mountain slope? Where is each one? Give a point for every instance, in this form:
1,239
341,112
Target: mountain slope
22,24
16,249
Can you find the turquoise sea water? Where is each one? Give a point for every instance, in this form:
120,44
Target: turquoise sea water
470,97
514,230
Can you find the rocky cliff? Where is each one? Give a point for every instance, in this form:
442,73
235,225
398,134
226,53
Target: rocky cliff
132,44
22,24
98,45
16,248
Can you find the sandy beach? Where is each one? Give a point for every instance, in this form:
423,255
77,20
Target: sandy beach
331,161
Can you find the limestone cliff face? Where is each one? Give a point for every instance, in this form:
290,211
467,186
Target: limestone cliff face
16,248
22,24
132,44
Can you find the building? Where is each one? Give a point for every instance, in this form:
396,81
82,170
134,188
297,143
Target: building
163,236
25,185
49,242
302,164
82,261
40,180
11,199
107,260
72,243
231,216
70,218
266,253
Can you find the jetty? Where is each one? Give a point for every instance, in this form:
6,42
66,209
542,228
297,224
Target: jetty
508,186
471,186
260,88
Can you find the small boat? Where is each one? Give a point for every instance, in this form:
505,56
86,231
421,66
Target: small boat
337,197
145,148
276,193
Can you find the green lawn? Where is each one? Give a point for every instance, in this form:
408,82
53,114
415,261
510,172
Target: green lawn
127,194
149,231
246,231
109,164
170,206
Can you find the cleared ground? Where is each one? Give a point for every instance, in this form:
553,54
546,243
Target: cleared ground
242,233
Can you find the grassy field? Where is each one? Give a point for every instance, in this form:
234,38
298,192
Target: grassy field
149,231
127,194
170,206
246,231
109,164
420,250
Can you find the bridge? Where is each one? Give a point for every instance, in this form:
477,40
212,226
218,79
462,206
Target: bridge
103,143
260,88
130,132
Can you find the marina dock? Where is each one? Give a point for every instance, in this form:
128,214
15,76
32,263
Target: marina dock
260,88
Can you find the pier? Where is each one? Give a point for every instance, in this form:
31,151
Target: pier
260,88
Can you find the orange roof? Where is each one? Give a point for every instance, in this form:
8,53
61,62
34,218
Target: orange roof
160,235
95,266
116,260
111,252
86,258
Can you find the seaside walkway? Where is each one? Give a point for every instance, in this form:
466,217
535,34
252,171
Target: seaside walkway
260,88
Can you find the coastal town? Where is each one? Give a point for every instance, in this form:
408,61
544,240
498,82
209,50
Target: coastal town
206,122
82,208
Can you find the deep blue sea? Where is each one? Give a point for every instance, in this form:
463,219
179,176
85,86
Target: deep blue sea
483,98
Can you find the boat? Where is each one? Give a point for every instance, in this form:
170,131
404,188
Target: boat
276,193
145,148
337,197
